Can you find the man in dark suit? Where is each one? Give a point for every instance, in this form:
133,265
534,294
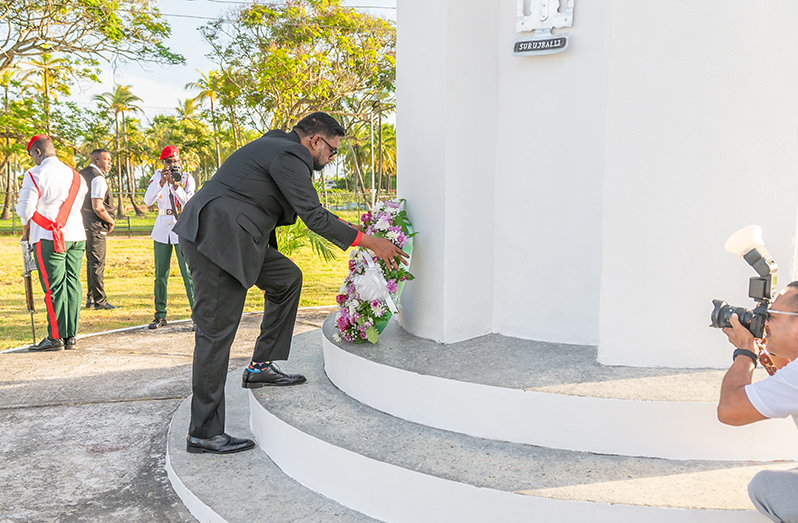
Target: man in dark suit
227,234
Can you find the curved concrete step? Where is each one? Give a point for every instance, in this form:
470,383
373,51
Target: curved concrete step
395,470
551,395
246,487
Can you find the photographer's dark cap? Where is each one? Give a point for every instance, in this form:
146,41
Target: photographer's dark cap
169,150
35,139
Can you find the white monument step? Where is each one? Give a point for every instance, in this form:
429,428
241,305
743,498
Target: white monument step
246,487
395,470
550,395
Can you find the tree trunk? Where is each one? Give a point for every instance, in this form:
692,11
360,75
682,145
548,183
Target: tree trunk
216,137
120,213
6,214
360,177
129,173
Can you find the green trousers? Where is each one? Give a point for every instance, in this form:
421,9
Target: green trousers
59,274
163,263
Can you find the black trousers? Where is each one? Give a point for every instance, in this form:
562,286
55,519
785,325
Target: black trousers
218,303
95,266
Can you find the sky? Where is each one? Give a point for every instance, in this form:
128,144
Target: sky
160,87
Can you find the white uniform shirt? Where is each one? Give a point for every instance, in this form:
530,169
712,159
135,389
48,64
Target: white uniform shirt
776,396
45,188
99,186
162,230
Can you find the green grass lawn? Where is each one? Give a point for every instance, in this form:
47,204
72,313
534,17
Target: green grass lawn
129,273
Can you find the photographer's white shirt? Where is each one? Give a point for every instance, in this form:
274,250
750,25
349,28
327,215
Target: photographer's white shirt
776,396
162,230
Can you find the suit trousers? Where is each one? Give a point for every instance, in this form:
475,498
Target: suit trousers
218,304
95,266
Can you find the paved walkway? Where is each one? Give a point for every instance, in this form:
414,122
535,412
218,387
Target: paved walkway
83,433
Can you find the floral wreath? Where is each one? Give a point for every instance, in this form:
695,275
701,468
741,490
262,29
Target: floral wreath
370,293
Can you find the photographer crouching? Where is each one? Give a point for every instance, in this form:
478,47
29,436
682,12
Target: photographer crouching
774,493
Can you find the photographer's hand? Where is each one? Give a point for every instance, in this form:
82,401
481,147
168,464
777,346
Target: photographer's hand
166,176
734,407
739,336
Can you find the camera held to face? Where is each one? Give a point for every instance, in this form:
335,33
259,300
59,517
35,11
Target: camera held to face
747,243
177,176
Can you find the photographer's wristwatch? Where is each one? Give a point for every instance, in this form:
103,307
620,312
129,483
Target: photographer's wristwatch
745,352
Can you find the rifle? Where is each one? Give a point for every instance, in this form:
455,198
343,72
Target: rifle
30,265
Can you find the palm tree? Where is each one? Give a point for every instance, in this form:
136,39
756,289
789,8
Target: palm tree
118,102
208,86
53,80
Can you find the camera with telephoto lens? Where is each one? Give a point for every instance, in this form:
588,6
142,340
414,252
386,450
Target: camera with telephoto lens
747,243
176,174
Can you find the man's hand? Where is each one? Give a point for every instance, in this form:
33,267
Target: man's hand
739,336
166,177
385,250
110,227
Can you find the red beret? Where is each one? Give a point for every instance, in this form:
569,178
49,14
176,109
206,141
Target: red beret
36,139
169,150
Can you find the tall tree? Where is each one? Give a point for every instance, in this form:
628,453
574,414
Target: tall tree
118,102
85,31
208,86
54,81
292,58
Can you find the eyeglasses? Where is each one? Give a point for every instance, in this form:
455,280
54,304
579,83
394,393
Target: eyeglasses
781,312
333,150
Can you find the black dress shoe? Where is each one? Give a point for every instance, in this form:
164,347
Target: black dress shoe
104,306
88,303
157,322
221,444
270,375
70,343
48,344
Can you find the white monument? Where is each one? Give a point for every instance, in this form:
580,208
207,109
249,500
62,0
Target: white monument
585,196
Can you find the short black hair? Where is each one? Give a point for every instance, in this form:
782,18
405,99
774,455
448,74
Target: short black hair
99,151
792,301
320,123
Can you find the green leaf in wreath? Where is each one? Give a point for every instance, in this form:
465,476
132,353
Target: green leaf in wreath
372,334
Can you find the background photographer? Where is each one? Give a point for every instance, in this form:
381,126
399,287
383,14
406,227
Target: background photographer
774,493
171,189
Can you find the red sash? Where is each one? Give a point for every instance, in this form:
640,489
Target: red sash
63,214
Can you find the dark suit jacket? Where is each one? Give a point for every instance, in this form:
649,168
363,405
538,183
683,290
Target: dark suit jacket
262,185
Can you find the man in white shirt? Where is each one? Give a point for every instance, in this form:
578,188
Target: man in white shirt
773,492
98,220
170,189
49,207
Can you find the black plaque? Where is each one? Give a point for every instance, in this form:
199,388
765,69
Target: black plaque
546,46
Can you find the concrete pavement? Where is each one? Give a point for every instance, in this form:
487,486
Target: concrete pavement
84,431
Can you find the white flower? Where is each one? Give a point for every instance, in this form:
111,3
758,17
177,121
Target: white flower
342,290
379,310
336,336
353,253
353,305
392,235
383,224
378,206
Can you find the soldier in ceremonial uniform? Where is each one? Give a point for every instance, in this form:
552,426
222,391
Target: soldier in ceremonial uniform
171,189
49,206
98,220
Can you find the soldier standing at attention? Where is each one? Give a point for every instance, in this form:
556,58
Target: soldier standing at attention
49,207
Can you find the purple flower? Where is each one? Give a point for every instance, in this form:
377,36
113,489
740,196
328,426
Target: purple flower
375,303
392,287
343,323
365,217
340,299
